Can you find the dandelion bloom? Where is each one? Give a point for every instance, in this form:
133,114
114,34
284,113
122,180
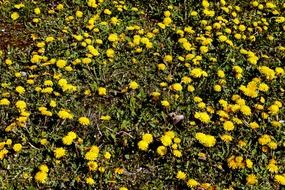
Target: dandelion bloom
228,126
264,139
20,89
90,181
181,175
280,179
251,179
84,121
143,145
110,53
92,154
4,102
177,153
166,140
17,147
206,140
105,117
226,138
21,104
41,177
133,85
107,155
165,103
37,11
67,140
177,87
168,58
61,63
161,150
102,91
63,114
148,138
92,166
59,152
202,116
15,15
44,168
192,183
113,37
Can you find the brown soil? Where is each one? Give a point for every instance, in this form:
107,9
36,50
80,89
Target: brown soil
14,35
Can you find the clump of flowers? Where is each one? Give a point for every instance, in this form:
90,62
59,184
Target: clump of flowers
65,114
69,138
170,140
92,154
42,175
206,140
146,140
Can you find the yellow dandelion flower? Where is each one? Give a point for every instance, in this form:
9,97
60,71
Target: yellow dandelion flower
143,145
181,175
21,105
177,87
15,15
119,170
249,163
165,103
280,179
59,152
166,140
251,179
202,116
177,153
206,140
61,63
273,109
161,150
110,53
44,168
272,168
133,85
41,177
90,181
245,110
92,166
79,14
264,139
229,126
63,114
168,58
84,121
192,183
113,37
161,66
67,140
37,11
20,89
17,147
105,117
107,155
147,138
43,141
171,134
102,91
4,102
226,138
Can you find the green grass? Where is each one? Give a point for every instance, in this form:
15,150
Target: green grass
136,112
